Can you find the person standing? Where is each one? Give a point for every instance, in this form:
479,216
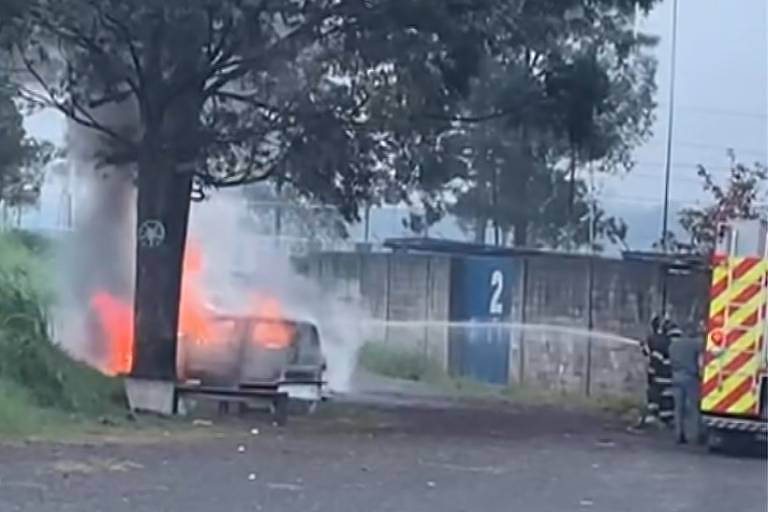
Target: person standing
652,398
685,357
659,375
663,370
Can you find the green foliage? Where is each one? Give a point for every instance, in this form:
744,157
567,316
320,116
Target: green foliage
410,364
21,158
398,362
518,194
34,373
740,197
569,86
18,415
347,101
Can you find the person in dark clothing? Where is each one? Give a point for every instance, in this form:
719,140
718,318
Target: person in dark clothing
659,375
663,370
685,356
652,401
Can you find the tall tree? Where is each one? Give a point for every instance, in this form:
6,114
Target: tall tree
334,96
233,91
553,221
570,85
21,158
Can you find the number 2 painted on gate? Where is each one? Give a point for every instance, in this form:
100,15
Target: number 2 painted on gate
497,288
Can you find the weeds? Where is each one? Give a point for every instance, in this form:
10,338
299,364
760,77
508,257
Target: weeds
36,377
399,362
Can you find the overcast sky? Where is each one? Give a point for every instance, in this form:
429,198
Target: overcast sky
721,103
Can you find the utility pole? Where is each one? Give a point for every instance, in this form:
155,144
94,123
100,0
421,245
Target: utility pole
592,209
668,163
367,233
670,130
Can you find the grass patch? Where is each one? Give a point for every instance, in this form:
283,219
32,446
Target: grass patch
410,364
16,415
399,362
39,383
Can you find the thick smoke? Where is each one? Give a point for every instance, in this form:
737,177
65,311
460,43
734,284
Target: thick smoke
238,263
99,253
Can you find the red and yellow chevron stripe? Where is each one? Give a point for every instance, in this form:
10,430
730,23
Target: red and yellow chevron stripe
736,330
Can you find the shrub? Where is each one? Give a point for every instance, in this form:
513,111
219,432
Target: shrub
33,370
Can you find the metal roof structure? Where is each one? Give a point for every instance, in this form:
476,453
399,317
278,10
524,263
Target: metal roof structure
453,247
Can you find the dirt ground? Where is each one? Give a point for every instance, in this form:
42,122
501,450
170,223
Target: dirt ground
399,458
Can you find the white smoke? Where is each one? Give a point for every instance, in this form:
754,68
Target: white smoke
238,261
99,253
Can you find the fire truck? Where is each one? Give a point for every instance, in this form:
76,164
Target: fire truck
734,394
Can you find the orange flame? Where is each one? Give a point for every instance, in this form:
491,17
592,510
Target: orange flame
197,323
270,331
195,317
116,322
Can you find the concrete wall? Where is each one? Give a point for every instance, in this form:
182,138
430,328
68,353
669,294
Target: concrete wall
407,296
570,340
566,360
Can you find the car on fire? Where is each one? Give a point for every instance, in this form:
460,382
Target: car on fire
256,352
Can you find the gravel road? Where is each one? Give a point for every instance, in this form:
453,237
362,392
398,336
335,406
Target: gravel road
401,458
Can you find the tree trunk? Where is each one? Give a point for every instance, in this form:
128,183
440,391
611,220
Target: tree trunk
481,225
521,233
572,186
163,202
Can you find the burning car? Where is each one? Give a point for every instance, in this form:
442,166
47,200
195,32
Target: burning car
256,352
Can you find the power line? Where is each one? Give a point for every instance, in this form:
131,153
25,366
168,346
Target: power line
717,111
613,199
715,147
725,147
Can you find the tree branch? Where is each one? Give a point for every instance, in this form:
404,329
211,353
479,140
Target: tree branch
73,110
497,114
132,50
249,99
79,39
234,68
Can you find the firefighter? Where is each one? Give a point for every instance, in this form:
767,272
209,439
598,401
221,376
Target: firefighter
659,375
685,355
652,406
663,370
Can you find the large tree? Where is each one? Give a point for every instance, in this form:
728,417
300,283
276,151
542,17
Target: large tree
21,157
339,98
553,218
222,93
568,86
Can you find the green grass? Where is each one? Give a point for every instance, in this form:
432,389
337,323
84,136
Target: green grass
39,383
401,362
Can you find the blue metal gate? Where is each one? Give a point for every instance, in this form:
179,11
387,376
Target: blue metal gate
482,293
